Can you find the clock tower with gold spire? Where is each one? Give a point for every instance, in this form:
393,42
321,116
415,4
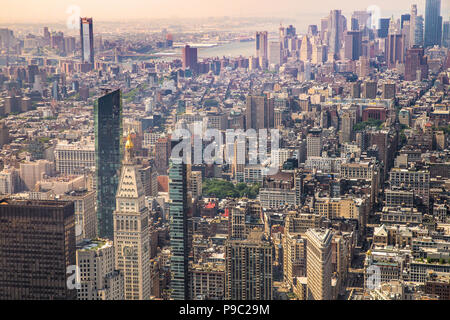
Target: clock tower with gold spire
131,229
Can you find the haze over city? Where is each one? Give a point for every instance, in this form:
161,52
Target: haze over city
31,11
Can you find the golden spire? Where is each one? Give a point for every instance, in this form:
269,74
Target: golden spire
129,144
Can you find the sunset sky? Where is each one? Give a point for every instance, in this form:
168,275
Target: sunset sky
104,10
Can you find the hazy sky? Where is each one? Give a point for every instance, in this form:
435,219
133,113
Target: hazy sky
103,10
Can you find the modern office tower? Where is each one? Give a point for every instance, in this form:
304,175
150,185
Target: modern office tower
178,229
290,31
196,183
433,23
335,29
416,64
318,263
189,56
394,49
85,217
74,158
275,53
369,89
354,26
87,40
98,277
383,27
446,34
108,151
412,25
312,30
261,48
248,268
352,45
418,38
314,143
388,90
356,90
37,248
259,112
419,181
403,18
131,230
305,49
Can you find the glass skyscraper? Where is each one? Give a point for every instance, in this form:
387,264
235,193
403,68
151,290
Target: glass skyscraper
178,229
87,40
433,23
108,156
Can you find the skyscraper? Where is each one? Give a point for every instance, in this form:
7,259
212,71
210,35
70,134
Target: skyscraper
87,40
261,48
383,27
352,45
394,47
446,34
305,49
131,230
37,248
108,154
334,27
178,229
369,89
416,66
314,143
248,271
259,112
318,263
189,56
412,25
418,38
433,23
275,52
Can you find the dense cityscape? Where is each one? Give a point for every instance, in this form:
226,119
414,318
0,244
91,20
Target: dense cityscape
227,159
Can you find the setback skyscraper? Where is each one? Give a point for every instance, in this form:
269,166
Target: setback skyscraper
108,133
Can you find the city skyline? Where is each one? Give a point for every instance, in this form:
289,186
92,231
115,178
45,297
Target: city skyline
226,158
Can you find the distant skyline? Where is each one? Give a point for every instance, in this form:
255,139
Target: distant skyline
53,11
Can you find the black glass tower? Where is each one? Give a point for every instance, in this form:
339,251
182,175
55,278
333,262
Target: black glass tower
433,23
108,156
178,229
